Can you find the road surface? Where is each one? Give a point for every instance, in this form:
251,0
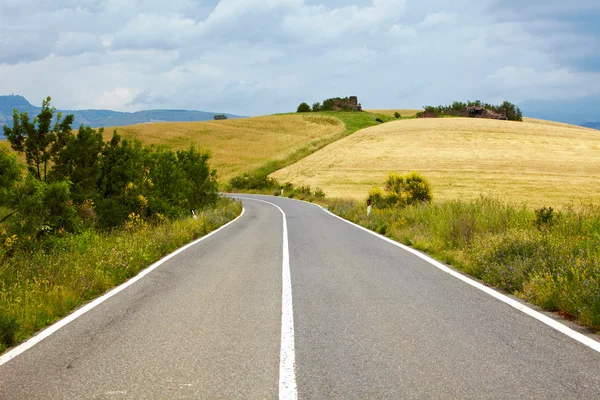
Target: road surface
370,321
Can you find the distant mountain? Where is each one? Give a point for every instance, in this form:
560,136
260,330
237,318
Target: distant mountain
575,112
595,125
100,118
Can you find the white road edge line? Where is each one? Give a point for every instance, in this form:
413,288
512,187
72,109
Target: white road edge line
589,342
78,313
288,389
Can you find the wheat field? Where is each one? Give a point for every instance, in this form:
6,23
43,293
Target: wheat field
390,113
237,145
529,162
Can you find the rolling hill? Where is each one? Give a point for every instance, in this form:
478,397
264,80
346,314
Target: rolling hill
593,125
537,162
238,145
99,118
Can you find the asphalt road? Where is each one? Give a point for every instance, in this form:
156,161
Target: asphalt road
371,321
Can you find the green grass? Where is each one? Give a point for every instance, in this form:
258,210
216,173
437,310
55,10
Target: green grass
41,285
555,265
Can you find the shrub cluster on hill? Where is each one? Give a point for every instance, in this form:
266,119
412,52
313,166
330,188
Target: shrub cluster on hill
459,109
78,180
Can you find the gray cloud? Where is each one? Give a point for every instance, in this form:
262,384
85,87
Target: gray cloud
265,56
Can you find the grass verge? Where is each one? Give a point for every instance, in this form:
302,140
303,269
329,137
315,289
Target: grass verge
547,258
39,287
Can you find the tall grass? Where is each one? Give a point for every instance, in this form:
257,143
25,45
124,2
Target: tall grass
39,286
554,263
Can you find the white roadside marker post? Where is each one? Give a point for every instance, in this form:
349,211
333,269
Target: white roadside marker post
368,207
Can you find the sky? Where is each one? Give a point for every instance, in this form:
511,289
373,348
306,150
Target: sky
257,57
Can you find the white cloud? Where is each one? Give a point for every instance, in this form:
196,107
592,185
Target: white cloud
265,56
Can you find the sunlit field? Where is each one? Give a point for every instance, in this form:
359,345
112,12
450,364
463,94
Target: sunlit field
533,162
237,145
390,113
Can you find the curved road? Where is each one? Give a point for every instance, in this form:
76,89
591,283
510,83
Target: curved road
370,321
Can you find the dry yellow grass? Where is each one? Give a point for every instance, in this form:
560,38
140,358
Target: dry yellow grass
237,145
540,164
390,113
552,123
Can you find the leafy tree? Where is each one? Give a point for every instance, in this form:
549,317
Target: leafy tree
10,175
44,207
303,107
218,117
397,115
316,107
80,163
201,189
125,166
10,172
38,139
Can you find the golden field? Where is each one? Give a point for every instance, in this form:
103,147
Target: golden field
390,113
532,162
237,145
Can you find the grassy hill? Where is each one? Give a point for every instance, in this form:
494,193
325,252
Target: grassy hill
403,112
250,144
538,162
237,145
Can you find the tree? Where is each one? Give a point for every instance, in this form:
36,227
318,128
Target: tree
316,107
38,139
79,163
10,175
43,206
201,189
397,115
218,117
303,107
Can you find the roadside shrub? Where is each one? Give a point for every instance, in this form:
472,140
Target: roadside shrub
303,108
397,115
379,120
417,188
252,182
319,193
377,198
544,218
406,190
8,329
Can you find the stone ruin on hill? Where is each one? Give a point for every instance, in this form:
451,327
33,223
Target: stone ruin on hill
427,114
347,104
481,112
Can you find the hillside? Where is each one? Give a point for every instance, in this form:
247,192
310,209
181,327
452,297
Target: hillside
238,145
99,118
534,162
593,125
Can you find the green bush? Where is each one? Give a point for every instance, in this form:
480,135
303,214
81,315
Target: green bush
397,115
544,218
303,108
254,181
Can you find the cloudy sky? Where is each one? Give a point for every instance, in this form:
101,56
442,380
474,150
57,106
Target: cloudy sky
254,57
